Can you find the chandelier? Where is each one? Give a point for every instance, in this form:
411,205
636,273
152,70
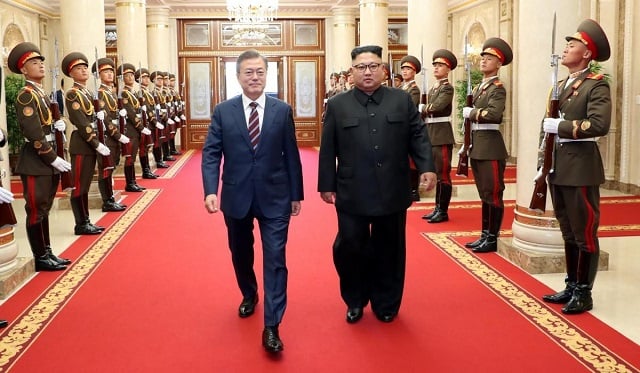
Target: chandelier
252,11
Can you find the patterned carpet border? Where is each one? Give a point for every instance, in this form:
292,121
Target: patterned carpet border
577,343
17,338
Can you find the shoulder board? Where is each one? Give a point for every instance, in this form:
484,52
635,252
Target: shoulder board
414,84
497,83
26,95
445,82
595,76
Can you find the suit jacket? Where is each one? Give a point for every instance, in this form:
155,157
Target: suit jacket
372,138
270,177
585,106
35,119
489,100
439,98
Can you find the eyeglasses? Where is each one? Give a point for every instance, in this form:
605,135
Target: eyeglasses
373,67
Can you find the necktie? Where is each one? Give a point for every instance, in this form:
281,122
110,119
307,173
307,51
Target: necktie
254,125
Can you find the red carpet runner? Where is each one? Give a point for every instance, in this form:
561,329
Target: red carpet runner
156,293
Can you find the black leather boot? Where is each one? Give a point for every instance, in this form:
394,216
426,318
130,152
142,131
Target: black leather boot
443,204
130,177
43,262
146,169
172,147
571,253
437,206
157,156
111,205
83,225
490,244
581,300
166,152
485,228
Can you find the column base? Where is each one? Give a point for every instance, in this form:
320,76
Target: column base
537,263
14,278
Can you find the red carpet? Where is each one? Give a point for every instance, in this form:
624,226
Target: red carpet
164,299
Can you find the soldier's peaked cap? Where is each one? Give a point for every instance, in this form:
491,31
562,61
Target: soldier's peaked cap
103,64
499,48
126,68
412,62
592,35
22,53
141,72
72,60
446,57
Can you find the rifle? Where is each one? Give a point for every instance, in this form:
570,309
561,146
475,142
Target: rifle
66,183
122,119
539,197
425,87
7,215
463,161
157,133
107,161
171,113
147,140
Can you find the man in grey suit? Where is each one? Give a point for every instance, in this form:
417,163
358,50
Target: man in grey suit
262,180
371,131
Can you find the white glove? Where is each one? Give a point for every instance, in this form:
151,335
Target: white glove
146,131
466,111
462,151
170,121
163,111
139,116
157,107
538,175
123,112
143,108
61,165
123,139
183,103
159,126
183,117
5,195
100,115
60,125
550,125
176,119
1,135
103,149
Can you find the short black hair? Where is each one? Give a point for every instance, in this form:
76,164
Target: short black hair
375,49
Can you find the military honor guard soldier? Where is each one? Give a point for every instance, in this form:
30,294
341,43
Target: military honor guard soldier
585,115
437,116
112,137
84,146
409,67
39,166
147,104
488,155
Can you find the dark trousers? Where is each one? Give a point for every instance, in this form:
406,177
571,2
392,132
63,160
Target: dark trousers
369,254
489,179
274,233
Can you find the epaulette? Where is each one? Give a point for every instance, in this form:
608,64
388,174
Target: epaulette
595,76
72,93
497,83
26,90
445,82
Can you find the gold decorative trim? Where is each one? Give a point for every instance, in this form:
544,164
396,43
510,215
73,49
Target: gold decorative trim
129,4
178,164
33,320
568,337
158,25
374,5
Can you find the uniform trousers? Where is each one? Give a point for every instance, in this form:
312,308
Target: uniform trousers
578,212
489,179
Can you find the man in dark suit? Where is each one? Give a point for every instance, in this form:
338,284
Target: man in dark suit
585,115
262,179
371,131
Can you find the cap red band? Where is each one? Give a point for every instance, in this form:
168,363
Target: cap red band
105,66
75,63
442,60
586,39
26,57
414,67
495,52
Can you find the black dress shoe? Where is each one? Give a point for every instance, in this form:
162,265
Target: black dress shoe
161,165
112,206
439,217
149,175
489,245
45,263
98,227
133,188
175,152
3,323
354,314
386,317
248,306
430,215
561,297
85,229
168,158
580,302
271,339
478,242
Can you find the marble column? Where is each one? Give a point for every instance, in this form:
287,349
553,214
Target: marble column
158,38
537,244
343,34
131,25
375,15
428,32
